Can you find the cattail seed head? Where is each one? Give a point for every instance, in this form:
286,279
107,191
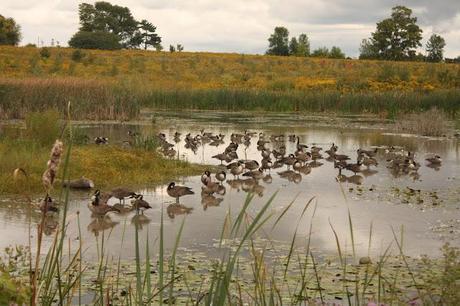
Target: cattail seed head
53,164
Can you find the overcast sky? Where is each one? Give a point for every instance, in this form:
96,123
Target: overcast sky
243,26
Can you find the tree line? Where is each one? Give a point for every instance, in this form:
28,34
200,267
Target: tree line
279,44
112,27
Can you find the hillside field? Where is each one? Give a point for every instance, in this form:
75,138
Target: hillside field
117,84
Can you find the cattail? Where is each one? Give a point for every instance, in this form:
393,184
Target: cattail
53,164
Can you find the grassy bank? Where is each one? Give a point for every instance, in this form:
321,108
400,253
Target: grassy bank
116,84
107,166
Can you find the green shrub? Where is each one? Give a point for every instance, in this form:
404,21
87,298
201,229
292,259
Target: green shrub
45,53
77,55
43,128
95,40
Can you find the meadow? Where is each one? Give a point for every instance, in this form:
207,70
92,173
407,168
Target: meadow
117,84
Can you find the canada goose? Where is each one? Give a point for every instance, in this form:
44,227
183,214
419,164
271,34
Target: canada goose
266,164
236,137
331,152
369,153
206,177
369,161
101,209
355,168
171,153
315,149
303,156
232,146
305,169
221,176
221,190
292,138
176,191
81,183
221,156
139,203
316,155
290,160
121,193
300,146
237,170
47,205
265,153
177,209
101,140
177,137
231,156
100,198
267,179
251,164
255,174
297,165
340,157
277,154
434,160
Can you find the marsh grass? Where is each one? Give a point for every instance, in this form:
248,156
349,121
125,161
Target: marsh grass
115,85
107,166
430,123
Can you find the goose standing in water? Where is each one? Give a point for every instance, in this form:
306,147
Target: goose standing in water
140,204
122,192
176,191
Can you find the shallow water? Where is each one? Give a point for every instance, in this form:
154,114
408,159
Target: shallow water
382,199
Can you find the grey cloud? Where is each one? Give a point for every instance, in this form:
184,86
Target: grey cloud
363,11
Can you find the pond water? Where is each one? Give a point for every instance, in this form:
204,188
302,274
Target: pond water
426,205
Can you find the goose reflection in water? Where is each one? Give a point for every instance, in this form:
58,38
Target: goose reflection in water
176,209
139,220
101,223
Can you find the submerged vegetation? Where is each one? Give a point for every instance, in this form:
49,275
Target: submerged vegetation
117,84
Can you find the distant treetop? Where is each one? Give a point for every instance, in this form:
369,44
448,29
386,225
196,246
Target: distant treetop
116,27
10,31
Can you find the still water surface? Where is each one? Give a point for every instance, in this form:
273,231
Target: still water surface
429,217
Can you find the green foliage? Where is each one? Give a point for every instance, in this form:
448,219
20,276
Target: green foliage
13,290
293,46
336,52
396,37
77,55
118,21
95,40
45,52
179,48
172,49
146,35
303,48
279,42
43,128
10,31
367,50
435,48
320,52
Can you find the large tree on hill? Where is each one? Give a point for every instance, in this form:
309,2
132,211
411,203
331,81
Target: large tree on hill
397,37
147,34
103,17
279,42
435,48
10,31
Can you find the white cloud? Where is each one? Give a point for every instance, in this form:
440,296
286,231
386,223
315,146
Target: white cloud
241,25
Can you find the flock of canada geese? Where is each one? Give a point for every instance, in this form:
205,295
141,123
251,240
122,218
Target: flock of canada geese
247,174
